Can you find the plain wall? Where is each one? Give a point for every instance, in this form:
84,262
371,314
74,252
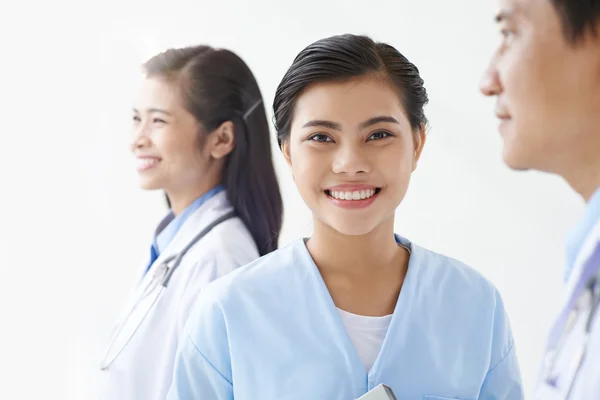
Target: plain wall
75,228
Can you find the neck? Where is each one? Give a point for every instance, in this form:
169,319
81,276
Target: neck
335,251
584,177
185,194
180,200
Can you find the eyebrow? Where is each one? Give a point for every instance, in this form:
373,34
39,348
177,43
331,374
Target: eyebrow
504,15
322,123
155,110
377,120
511,13
338,127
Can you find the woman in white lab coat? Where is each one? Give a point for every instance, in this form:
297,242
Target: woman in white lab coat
200,133
354,306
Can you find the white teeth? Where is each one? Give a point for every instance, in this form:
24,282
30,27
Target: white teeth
148,161
355,195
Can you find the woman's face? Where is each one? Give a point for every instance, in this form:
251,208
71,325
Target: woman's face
165,139
352,151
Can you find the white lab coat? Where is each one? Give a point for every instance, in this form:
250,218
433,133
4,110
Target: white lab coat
587,383
144,369
586,380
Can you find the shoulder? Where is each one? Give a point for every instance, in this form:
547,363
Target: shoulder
459,290
228,245
237,290
229,237
451,276
262,273
468,305
252,285
232,236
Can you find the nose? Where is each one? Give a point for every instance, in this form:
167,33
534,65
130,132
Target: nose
351,160
140,136
490,84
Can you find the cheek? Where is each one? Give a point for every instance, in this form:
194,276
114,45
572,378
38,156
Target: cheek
179,148
305,169
529,70
309,167
515,77
163,140
396,166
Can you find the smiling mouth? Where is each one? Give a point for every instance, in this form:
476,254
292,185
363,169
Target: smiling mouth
144,164
354,195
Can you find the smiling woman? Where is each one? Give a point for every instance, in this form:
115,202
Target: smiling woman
355,305
336,144
201,135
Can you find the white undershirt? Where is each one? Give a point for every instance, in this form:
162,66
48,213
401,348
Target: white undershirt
367,334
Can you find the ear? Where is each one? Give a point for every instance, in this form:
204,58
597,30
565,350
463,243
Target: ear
285,149
222,140
420,139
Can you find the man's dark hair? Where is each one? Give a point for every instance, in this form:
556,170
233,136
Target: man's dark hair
578,17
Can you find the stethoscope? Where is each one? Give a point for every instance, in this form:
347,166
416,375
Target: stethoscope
128,325
580,319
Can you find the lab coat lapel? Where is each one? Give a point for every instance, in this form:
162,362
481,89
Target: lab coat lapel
215,207
577,279
144,299
582,271
582,268
587,250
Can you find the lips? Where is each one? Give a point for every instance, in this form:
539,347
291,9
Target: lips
146,163
502,113
352,196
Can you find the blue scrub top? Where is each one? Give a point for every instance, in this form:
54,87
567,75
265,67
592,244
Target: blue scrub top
270,330
170,225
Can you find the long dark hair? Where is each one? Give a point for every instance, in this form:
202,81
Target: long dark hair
217,86
342,57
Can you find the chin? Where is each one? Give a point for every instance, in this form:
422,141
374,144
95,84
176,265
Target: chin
351,226
148,185
515,159
516,165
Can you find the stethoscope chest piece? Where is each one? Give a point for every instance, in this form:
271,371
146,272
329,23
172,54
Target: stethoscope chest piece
158,278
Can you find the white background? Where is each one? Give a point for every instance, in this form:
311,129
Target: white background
74,227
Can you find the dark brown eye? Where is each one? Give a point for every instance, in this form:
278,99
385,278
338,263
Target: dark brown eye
319,137
379,135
